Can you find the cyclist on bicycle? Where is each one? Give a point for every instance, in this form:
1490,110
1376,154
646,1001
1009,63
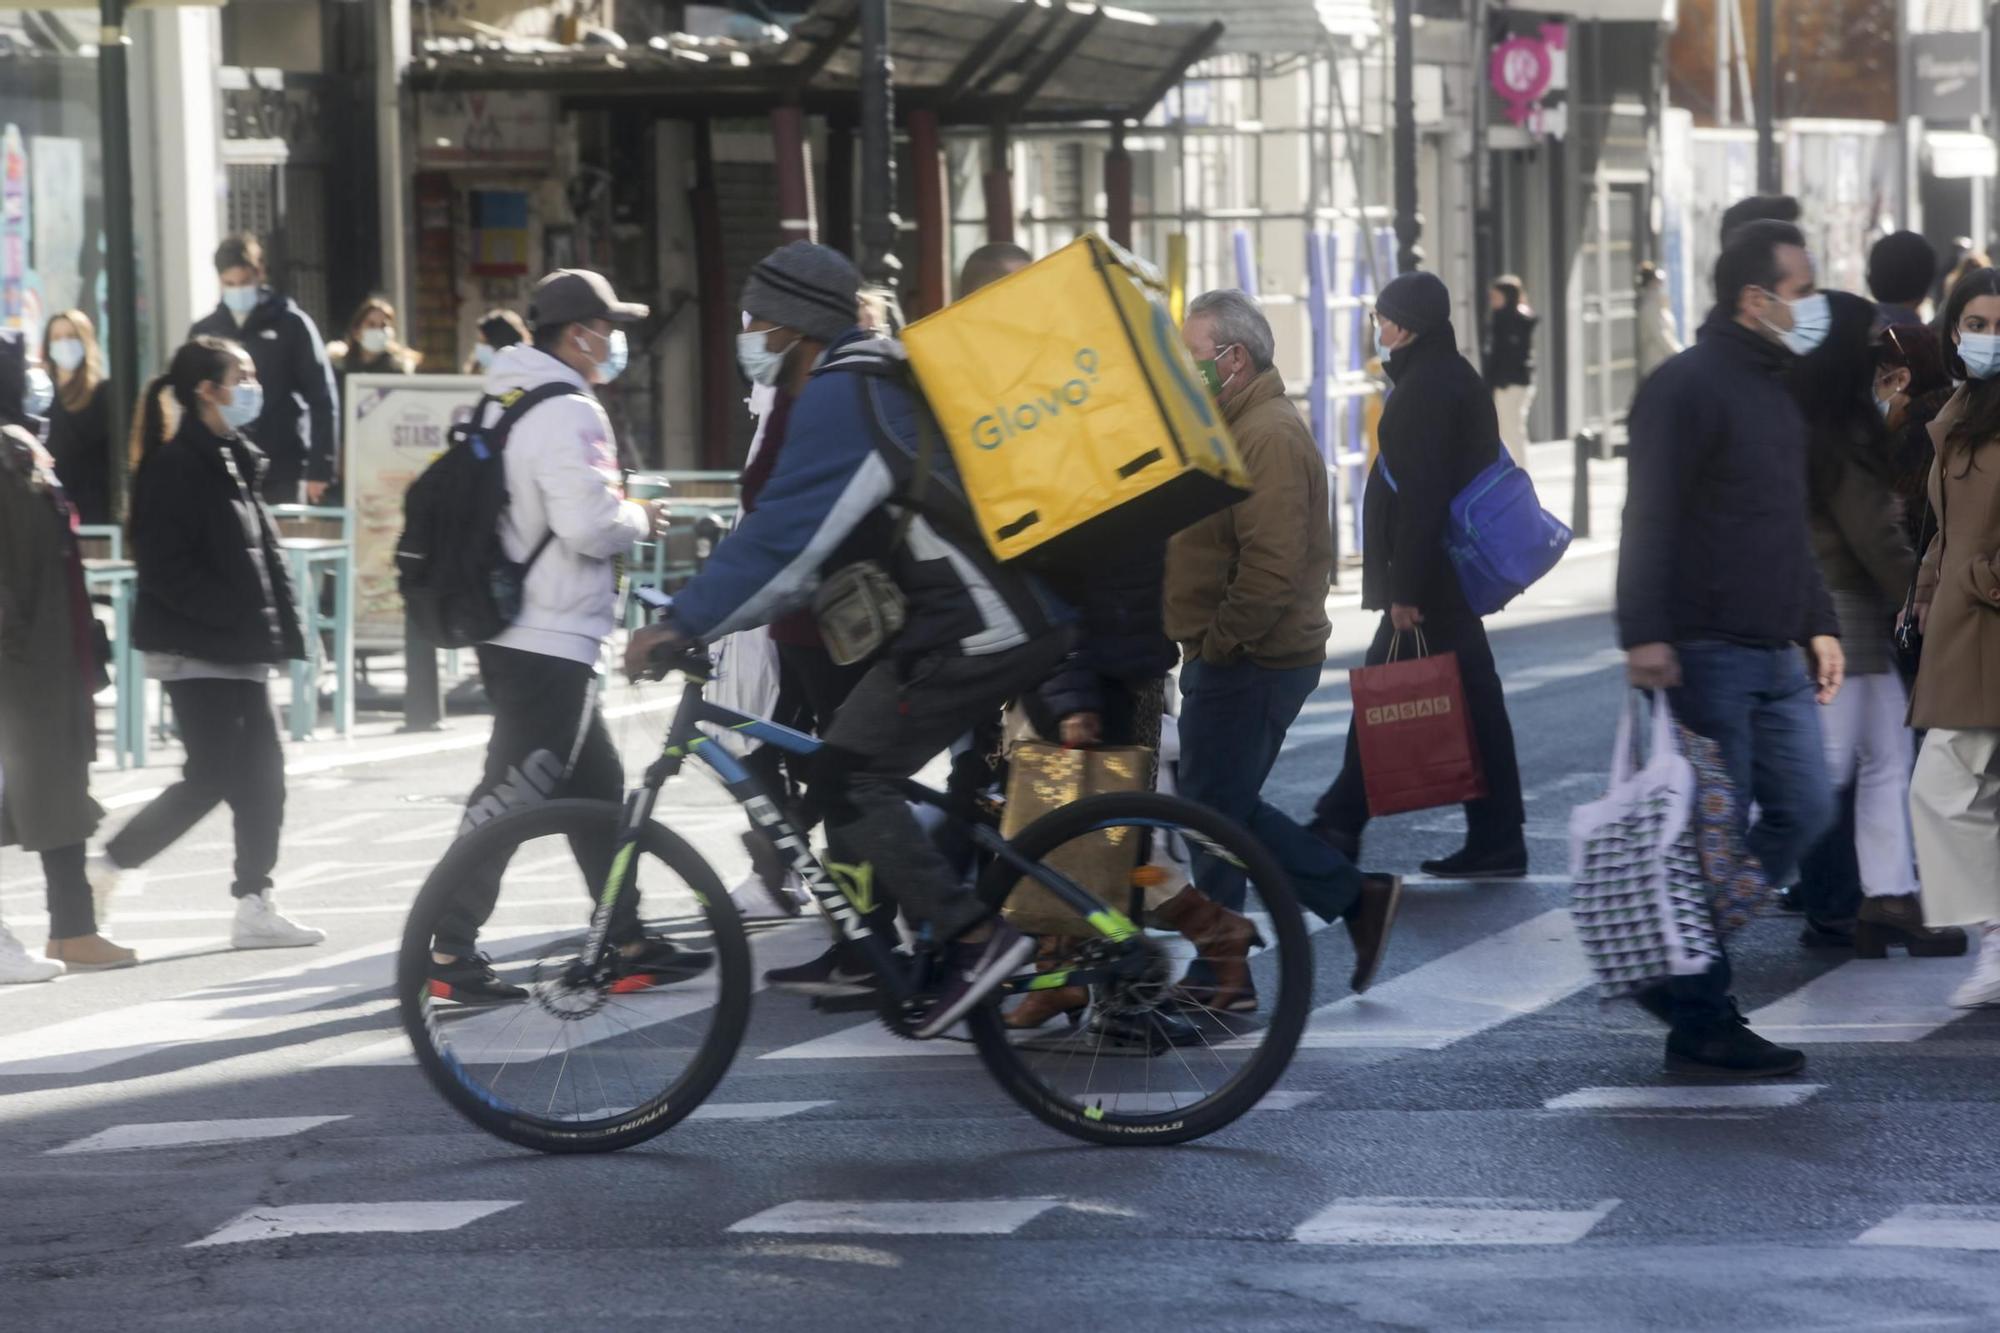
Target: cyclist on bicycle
975,633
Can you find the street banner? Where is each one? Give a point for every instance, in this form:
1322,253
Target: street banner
396,424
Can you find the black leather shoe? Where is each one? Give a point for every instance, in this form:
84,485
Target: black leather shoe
1506,861
1822,933
1730,1050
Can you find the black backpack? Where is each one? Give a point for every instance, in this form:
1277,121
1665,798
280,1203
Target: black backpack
458,586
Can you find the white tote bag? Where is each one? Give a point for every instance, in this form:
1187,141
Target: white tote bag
746,679
1640,903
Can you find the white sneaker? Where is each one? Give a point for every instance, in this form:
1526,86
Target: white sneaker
1983,986
756,901
17,968
109,880
260,925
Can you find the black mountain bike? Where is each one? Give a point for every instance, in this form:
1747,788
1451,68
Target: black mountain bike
1164,1036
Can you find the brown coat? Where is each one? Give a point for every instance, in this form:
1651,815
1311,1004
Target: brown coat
46,725
1958,683
1250,583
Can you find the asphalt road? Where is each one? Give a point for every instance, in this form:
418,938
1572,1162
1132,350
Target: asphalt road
1479,1144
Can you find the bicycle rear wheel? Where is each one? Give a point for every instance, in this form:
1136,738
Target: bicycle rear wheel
576,1062
1155,1058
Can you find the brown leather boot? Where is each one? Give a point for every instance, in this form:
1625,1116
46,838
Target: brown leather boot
1038,1007
89,953
1222,940
1882,922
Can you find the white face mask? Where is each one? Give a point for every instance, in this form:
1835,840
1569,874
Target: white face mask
1981,354
482,356
67,353
1812,319
759,362
240,300
374,341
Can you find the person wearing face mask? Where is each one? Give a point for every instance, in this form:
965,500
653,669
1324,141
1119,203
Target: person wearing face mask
1246,602
1718,592
79,415
371,346
1911,388
1857,885
498,330
298,429
1438,432
1955,793
215,612
566,520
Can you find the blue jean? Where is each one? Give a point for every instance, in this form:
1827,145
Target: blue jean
1233,723
1757,705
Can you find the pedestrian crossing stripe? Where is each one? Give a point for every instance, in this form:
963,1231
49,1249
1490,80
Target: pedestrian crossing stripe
1933,1226
916,1217
193,1133
1391,1221
320,1219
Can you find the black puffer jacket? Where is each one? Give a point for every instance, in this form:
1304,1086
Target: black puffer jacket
1123,636
297,430
1438,432
1510,347
212,582
1715,543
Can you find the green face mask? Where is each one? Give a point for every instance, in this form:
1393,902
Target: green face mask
1212,376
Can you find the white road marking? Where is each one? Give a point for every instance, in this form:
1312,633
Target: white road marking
1500,977
193,1133
1688,1097
917,1217
437,832
80,1045
319,832
1450,1222
1868,1000
1283,1101
1938,1226
320,1219
752,1110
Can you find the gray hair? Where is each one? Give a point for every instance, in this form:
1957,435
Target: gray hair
1235,317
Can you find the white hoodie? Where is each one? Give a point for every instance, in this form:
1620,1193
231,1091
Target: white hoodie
562,476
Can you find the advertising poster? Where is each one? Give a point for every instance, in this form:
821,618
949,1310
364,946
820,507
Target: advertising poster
396,424
56,175
13,228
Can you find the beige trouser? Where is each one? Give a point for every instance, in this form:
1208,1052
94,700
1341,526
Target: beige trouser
1955,811
1512,404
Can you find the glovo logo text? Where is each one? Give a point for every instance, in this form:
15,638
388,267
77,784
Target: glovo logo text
1003,423
1409,710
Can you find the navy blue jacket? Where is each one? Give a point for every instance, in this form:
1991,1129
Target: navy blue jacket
298,430
1716,542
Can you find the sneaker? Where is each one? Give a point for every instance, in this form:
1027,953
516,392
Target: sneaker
975,970
1507,861
260,925
1369,922
1730,1050
109,880
756,900
1983,986
17,968
835,972
89,953
472,981
659,962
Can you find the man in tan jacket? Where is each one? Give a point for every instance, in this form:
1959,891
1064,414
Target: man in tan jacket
1246,602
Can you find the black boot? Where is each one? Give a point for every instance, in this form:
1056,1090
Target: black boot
1729,1050
1502,860
1827,932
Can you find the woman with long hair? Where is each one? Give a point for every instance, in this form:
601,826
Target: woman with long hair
1510,362
1911,388
371,346
1955,795
1867,561
79,415
215,613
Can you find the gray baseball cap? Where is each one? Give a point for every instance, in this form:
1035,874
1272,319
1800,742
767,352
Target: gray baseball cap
573,295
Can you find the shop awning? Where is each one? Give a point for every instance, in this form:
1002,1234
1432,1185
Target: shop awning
971,61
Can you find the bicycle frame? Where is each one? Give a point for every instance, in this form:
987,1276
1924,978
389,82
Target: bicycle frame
844,903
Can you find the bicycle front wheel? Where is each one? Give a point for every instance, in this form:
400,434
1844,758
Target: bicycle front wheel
1181,1046
544,1049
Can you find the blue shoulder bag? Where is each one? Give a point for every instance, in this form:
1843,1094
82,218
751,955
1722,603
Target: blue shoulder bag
1499,538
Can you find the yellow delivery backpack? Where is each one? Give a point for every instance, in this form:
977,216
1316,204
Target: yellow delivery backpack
1071,407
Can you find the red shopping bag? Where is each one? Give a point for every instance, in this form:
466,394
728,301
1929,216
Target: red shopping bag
1417,750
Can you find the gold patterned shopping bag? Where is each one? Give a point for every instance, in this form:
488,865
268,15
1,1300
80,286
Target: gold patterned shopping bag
1047,777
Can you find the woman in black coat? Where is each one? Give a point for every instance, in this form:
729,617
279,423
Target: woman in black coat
215,613
80,415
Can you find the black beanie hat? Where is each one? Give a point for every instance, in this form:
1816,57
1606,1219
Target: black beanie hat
1901,268
1416,301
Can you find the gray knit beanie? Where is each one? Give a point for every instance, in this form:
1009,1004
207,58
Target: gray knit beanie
806,287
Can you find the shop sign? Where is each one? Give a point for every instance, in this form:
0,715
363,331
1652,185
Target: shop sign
486,129
396,424
1530,74
1948,75
13,228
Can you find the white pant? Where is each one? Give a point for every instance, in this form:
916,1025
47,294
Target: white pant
1868,747
1955,805
1512,404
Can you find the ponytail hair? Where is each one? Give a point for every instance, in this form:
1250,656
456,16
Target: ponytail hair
199,361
